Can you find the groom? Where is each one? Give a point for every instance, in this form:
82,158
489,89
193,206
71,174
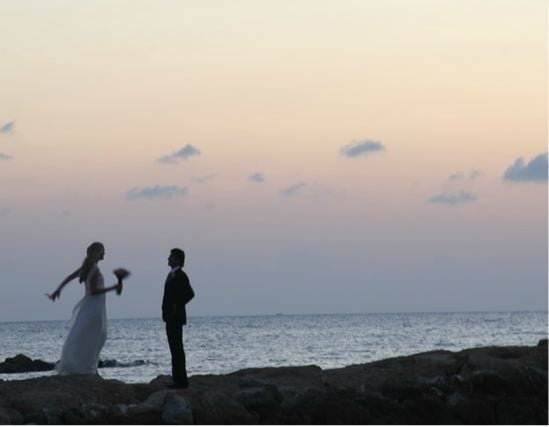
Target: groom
177,293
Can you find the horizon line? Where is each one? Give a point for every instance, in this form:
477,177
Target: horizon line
281,314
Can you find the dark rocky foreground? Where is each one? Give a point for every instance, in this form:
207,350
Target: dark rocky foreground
491,385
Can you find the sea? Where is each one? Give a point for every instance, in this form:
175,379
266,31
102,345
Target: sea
136,350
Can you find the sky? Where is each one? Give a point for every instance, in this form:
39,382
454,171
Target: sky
310,156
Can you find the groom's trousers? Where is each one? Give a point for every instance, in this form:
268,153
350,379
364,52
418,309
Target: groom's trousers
174,331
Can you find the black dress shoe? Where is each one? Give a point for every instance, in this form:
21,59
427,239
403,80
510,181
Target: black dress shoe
178,385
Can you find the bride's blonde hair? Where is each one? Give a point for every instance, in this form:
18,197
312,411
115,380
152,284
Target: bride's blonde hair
91,258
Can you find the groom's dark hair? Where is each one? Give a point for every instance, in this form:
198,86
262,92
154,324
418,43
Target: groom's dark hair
180,255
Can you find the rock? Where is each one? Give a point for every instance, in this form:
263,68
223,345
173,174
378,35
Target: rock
22,363
263,400
330,407
177,410
474,411
158,399
10,416
107,363
381,409
142,391
226,410
87,413
113,363
44,400
518,410
428,410
143,413
399,392
151,410
490,385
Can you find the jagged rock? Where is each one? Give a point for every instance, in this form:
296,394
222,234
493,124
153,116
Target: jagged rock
177,410
113,363
263,400
22,363
519,411
224,410
107,363
491,385
46,400
473,411
327,407
158,399
10,416
87,413
143,413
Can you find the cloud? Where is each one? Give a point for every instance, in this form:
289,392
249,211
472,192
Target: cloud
257,177
460,176
361,147
534,171
8,128
202,179
5,211
453,199
474,174
156,192
182,154
5,157
292,189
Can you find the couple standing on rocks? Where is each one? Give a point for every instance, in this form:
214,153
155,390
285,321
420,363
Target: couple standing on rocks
88,333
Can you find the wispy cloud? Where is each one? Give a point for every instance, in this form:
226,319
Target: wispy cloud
534,171
474,174
203,179
292,190
181,154
5,157
453,199
8,128
460,176
257,177
156,192
361,147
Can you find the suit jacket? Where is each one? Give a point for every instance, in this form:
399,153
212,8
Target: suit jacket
177,293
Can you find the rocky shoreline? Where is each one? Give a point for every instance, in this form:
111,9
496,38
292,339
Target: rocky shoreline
489,385
22,363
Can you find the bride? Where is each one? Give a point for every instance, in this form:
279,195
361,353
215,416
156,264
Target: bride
88,333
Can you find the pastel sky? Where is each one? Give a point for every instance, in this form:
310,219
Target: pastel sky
310,156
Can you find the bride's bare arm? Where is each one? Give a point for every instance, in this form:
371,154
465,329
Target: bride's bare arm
57,293
95,290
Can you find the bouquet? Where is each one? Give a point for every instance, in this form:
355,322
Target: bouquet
121,274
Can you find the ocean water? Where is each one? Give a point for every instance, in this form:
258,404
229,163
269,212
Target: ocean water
217,345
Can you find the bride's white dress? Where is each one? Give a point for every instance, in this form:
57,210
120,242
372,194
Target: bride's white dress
88,332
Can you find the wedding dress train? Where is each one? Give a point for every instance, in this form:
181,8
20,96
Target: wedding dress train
88,333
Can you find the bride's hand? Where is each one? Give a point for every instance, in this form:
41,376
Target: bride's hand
53,296
119,287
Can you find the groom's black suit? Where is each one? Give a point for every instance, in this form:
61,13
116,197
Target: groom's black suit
177,293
